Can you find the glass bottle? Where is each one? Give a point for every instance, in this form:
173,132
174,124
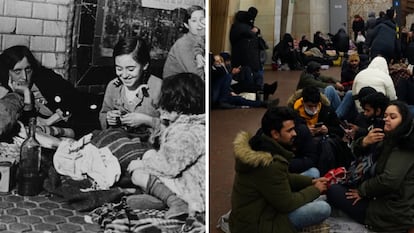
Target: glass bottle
29,180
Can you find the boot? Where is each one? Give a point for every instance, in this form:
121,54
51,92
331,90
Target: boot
269,89
178,208
270,103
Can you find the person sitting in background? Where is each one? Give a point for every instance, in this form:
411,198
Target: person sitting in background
46,95
350,68
222,94
266,197
331,88
305,44
187,53
383,202
341,41
288,55
404,89
376,75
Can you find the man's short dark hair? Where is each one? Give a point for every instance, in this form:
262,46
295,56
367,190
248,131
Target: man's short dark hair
311,94
274,117
375,100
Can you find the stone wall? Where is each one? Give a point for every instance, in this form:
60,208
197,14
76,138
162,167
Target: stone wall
42,25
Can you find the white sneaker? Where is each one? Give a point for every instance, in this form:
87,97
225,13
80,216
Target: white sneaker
285,67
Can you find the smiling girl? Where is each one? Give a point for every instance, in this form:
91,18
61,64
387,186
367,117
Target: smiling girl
131,98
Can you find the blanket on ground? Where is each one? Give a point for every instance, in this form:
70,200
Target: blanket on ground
120,218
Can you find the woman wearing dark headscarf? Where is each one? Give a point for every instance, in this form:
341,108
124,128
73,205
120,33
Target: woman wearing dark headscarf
287,53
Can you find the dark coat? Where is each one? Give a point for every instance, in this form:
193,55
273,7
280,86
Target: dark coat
51,85
244,43
405,89
391,190
304,148
384,41
264,192
307,79
341,41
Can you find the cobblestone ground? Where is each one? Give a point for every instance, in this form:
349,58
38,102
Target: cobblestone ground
40,213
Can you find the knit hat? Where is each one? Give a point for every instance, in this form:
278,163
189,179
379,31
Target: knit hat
365,91
313,66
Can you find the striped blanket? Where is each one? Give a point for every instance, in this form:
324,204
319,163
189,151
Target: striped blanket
120,218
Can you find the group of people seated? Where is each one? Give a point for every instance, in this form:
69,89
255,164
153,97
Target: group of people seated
145,142
347,139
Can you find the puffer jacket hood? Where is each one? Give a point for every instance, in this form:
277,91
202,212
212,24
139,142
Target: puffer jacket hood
379,63
265,151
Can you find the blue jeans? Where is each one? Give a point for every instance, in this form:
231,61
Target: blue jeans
312,172
310,214
345,109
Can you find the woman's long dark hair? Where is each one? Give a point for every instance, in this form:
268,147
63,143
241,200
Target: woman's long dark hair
400,135
10,57
183,93
140,53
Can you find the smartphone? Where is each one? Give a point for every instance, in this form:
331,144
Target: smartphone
319,124
378,123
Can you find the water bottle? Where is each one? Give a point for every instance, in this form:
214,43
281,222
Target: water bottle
29,179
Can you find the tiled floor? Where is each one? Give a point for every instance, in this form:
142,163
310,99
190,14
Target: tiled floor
224,125
40,214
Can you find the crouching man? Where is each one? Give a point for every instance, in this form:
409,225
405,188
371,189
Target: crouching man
265,196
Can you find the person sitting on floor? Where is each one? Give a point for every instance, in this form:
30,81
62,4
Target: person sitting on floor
177,161
324,125
288,55
384,202
222,94
331,88
46,95
376,75
266,197
350,68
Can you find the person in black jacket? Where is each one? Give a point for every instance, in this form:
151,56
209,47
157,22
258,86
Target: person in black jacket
45,92
244,42
383,40
341,41
287,54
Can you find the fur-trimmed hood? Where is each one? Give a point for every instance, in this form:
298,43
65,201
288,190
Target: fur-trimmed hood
298,94
247,158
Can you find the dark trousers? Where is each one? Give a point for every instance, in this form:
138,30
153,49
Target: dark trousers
337,198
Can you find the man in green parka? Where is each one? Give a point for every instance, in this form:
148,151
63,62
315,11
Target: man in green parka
266,197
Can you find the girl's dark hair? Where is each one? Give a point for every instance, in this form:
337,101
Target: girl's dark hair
13,55
187,15
311,94
274,117
135,46
140,53
183,93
